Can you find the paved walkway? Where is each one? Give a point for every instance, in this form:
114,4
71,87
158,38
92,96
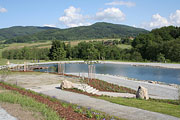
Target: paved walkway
5,116
121,111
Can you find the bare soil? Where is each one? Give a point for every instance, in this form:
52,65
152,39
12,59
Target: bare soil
31,79
21,113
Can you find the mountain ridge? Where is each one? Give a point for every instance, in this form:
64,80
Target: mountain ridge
95,31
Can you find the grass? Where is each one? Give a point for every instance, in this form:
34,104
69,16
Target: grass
151,105
75,42
30,104
21,45
123,46
19,73
4,61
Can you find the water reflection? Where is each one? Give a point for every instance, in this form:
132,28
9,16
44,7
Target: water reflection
138,72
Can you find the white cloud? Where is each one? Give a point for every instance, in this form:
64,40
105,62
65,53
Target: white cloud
159,21
156,22
128,4
175,18
3,10
73,18
49,25
110,14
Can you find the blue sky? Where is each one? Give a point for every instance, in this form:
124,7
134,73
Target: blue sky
146,14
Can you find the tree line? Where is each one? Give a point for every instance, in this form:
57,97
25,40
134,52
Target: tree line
159,45
27,53
84,50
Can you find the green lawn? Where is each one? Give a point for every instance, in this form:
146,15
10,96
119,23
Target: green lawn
150,105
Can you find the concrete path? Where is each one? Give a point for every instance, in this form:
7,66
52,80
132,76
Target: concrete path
121,111
155,90
5,116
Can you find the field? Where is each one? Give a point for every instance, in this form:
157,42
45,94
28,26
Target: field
123,46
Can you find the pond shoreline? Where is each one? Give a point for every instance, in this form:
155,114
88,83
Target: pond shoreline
161,65
158,65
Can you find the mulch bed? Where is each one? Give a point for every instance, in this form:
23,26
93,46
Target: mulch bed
104,86
67,113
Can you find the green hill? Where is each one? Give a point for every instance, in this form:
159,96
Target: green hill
8,33
95,31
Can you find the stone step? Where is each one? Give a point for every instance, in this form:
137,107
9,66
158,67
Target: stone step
86,88
95,92
89,89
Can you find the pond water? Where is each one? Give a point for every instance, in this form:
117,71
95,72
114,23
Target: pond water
138,72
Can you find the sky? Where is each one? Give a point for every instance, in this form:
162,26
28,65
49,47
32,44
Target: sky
147,14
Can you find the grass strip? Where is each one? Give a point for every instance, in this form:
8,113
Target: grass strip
169,107
30,103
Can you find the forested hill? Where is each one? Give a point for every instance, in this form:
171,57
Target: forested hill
8,33
159,45
95,31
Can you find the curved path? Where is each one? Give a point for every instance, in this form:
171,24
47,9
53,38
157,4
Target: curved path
121,111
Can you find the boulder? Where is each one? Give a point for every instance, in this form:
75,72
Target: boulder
142,93
66,84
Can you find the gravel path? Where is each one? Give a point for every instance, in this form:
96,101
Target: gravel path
121,111
5,116
155,90
163,65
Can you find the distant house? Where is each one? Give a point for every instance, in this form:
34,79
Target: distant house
108,42
131,38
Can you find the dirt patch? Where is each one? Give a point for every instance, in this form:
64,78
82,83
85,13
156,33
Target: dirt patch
33,80
1,91
21,113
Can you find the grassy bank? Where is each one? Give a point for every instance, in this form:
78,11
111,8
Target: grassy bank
30,104
63,109
169,107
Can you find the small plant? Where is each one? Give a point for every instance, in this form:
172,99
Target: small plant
78,110
89,114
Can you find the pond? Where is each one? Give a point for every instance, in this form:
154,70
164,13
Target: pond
139,72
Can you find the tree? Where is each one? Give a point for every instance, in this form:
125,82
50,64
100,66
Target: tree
57,51
161,58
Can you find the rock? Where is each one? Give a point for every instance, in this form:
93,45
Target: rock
66,84
142,93
153,82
